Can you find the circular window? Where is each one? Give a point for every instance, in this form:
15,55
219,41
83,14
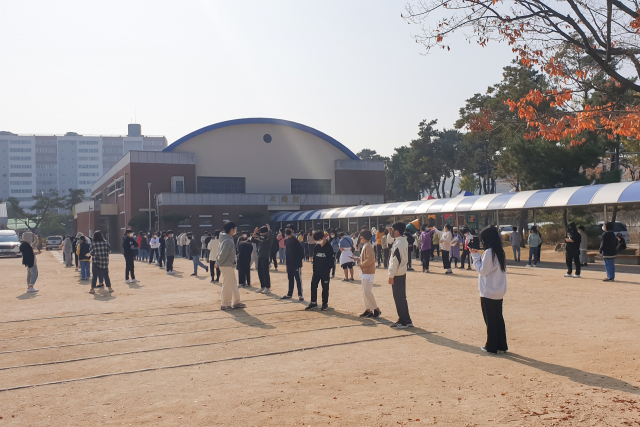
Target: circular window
267,138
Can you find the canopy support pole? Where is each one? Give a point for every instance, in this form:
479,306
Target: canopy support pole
605,214
498,219
369,223
329,223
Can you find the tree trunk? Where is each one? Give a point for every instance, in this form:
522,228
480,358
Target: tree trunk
614,214
453,180
524,213
444,193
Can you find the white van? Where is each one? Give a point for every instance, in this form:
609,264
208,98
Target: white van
9,243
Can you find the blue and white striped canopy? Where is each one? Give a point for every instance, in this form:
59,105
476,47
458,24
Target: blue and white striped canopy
604,194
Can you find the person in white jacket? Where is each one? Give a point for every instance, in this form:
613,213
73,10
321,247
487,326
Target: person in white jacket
492,285
154,244
398,274
446,239
213,246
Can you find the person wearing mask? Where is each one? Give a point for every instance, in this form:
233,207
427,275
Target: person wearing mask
226,260
534,242
572,251
85,258
516,239
163,249
466,254
398,275
410,242
609,251
184,242
426,250
492,285
334,241
29,260
273,255
622,244
367,262
212,247
293,259
322,264
154,247
170,251
194,252
128,250
99,251
244,249
379,236
346,256
455,247
263,239
584,240
281,246
445,239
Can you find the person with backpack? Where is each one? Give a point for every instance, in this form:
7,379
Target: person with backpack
322,264
84,258
346,256
609,251
293,259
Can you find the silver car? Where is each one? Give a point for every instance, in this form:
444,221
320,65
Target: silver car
54,242
9,243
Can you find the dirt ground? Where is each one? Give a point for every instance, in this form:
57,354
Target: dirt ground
162,353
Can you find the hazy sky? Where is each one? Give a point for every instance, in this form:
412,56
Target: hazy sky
348,68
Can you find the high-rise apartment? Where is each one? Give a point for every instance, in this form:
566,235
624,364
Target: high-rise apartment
31,164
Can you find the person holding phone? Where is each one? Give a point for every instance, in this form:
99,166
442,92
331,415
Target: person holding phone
492,285
572,251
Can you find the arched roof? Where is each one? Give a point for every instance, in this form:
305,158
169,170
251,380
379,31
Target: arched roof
262,120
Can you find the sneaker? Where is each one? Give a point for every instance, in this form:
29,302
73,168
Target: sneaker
607,280
32,289
576,276
409,325
534,265
448,272
225,307
110,289
266,291
502,351
367,313
206,268
286,297
484,349
91,291
345,280
259,291
212,282
311,306
127,281
240,305
134,280
568,275
376,313
300,298
324,307
171,272
193,274
528,265
398,325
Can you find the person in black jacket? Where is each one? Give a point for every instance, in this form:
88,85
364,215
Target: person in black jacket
244,250
129,245
410,241
609,251
572,254
274,252
322,265
294,254
263,238
163,246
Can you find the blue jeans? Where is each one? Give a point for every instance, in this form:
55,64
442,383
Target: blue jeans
516,249
610,267
533,254
180,250
32,275
281,251
85,269
196,263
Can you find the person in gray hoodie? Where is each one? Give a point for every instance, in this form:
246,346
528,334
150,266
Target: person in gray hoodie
226,261
170,251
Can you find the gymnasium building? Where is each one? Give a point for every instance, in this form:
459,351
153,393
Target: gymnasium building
244,170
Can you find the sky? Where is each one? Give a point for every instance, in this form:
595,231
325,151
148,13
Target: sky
348,68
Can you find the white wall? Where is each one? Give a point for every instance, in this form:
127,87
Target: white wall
239,151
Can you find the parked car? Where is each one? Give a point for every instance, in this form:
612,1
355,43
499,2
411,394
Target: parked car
9,243
54,242
618,228
506,230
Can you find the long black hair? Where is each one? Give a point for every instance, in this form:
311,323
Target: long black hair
491,240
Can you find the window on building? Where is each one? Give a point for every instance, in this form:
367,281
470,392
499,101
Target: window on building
205,222
310,186
185,223
210,184
177,184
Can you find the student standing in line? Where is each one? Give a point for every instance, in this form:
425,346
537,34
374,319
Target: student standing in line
163,248
492,285
128,250
312,243
572,251
99,251
293,258
226,260
67,251
435,244
410,242
534,242
139,250
154,246
85,258
281,246
170,251
29,260
398,275
75,241
212,247
445,238
346,254
244,249
385,249
608,250
379,236
466,254
426,250
516,239
305,245
273,255
203,246
144,247
194,252
418,244
322,264
455,247
334,241
263,239
367,264
584,240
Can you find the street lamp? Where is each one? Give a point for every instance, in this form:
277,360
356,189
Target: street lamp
149,186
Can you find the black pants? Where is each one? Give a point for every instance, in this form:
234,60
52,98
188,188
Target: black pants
399,288
315,279
571,258
273,258
465,255
212,267
161,259
305,247
153,252
263,273
410,252
385,252
336,260
379,254
244,275
294,274
496,332
426,254
169,263
103,273
184,251
128,269
76,257
446,262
